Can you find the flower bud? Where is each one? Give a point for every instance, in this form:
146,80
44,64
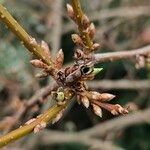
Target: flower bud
58,117
85,21
91,30
46,49
41,74
85,101
38,64
32,41
77,40
59,59
106,97
96,46
70,11
97,110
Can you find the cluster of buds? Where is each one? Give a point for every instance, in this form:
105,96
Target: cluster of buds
84,40
74,77
56,64
87,31
98,101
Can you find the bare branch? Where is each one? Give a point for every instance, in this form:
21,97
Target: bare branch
119,123
120,84
112,56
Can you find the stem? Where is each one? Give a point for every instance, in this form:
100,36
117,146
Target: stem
23,36
79,17
112,56
45,117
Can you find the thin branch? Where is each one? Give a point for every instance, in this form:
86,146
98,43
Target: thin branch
43,118
131,12
119,123
120,84
23,36
55,137
57,27
112,56
79,18
41,94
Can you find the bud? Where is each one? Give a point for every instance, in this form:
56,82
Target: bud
106,97
59,59
38,64
42,74
93,95
79,54
77,40
30,121
97,70
79,99
96,46
91,30
121,110
39,127
85,21
85,101
97,110
114,112
58,117
46,49
32,41
60,96
70,11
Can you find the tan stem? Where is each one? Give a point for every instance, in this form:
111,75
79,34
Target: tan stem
79,17
113,56
23,36
45,117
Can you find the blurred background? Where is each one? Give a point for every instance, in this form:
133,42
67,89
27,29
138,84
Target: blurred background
121,25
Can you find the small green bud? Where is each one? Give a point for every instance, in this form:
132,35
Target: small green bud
97,70
60,96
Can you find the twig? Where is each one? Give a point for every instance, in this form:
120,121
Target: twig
41,94
57,25
23,36
43,118
52,137
131,12
120,84
112,56
119,123
79,18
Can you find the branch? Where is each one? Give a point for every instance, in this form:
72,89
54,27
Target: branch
79,19
41,94
112,56
118,123
120,84
43,118
55,137
23,36
131,12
